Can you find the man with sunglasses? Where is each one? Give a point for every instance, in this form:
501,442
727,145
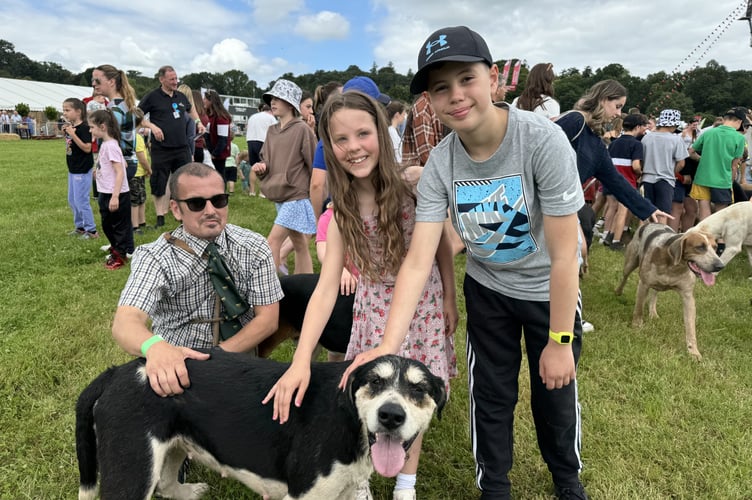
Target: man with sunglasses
167,108
170,284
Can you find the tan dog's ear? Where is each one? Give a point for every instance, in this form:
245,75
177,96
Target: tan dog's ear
676,250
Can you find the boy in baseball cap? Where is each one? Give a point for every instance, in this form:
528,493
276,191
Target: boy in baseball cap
509,179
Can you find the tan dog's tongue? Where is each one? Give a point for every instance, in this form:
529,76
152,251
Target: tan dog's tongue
387,455
707,278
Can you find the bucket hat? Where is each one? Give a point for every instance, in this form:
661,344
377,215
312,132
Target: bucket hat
669,118
287,91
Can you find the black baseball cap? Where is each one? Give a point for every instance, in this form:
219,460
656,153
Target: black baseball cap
740,113
458,43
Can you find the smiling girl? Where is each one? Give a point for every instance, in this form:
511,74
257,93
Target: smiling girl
374,216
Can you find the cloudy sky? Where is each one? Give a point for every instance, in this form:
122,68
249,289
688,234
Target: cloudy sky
266,38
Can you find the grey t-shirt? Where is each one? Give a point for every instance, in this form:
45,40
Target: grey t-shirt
662,151
497,205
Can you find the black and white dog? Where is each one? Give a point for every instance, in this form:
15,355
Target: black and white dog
328,447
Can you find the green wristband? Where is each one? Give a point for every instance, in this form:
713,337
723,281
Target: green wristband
150,342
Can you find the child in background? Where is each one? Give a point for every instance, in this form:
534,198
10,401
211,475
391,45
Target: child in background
244,172
114,196
374,216
509,179
78,156
231,167
284,174
137,186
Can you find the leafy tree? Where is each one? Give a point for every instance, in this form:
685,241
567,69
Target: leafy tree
23,109
51,113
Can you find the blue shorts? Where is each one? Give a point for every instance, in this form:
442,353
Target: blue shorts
297,216
659,194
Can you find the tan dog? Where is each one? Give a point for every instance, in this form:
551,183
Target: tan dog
670,261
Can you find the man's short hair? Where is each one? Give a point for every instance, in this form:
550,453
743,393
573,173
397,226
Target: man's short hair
194,169
164,70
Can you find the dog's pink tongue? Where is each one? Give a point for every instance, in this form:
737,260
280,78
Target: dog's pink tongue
707,278
387,455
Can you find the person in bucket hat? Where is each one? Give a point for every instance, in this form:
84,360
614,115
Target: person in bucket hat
284,174
518,218
665,153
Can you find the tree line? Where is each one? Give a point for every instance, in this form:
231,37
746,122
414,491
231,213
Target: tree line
706,91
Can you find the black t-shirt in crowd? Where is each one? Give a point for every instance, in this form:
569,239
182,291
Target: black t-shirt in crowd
168,113
78,161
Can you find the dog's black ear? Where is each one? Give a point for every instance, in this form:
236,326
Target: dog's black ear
676,250
439,395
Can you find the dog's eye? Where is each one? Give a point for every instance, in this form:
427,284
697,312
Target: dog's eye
702,248
417,391
377,382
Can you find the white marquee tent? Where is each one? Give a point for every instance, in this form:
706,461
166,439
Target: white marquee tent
38,95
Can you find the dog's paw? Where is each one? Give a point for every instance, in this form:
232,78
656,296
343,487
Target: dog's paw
187,491
694,353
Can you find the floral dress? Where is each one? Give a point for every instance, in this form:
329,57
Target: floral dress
426,340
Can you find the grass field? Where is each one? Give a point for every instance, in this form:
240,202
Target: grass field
656,424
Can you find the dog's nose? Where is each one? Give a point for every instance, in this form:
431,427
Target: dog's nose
391,415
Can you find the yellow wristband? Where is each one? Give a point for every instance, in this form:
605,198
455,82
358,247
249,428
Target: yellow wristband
561,337
150,342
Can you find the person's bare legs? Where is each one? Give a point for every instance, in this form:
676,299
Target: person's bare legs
276,236
303,260
704,210
619,220
677,212
689,217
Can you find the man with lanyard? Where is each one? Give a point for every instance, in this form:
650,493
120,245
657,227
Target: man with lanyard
166,108
173,283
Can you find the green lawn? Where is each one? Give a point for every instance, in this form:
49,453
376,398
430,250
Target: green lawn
656,423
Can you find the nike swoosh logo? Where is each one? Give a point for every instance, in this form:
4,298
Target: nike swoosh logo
569,196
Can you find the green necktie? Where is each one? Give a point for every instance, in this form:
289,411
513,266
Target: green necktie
233,305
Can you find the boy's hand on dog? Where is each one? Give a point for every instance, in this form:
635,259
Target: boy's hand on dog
165,367
296,378
557,365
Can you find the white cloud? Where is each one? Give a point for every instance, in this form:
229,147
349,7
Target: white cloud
232,53
273,11
325,25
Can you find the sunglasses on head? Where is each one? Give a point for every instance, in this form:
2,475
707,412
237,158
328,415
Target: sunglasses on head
197,204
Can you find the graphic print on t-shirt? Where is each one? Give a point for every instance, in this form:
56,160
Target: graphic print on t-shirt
493,219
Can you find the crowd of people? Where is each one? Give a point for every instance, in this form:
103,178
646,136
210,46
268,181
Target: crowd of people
393,191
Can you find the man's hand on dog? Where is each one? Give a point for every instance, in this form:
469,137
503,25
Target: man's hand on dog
296,378
556,365
165,367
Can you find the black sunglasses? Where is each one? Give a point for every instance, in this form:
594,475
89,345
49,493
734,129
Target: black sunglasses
198,204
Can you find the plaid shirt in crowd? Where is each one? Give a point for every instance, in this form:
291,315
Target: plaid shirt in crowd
173,287
422,133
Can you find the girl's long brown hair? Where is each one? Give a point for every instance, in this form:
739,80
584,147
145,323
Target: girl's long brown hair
392,193
591,102
540,81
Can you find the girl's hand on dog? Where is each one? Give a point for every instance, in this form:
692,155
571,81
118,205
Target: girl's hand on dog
296,378
361,359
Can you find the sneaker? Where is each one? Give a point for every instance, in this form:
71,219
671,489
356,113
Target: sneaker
138,231
587,327
77,232
576,493
89,235
105,248
617,246
363,492
600,223
113,262
408,494
608,239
